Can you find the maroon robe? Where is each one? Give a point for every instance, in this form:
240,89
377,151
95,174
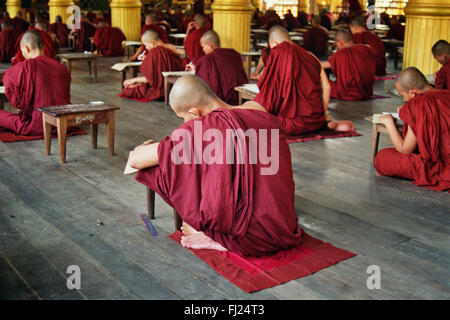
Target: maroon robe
156,61
84,34
19,24
91,16
443,77
62,33
315,40
222,70
290,88
161,32
249,213
8,39
428,115
354,68
192,45
378,49
49,48
291,22
396,31
109,41
31,84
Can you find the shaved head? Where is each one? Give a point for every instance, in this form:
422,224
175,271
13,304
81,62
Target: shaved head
411,78
343,35
102,24
278,34
150,18
211,37
441,47
32,39
150,35
58,19
200,20
357,22
190,91
316,19
41,26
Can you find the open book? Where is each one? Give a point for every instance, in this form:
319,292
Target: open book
376,117
176,73
121,66
128,168
252,87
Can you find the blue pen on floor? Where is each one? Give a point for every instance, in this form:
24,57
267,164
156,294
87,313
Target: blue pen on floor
149,225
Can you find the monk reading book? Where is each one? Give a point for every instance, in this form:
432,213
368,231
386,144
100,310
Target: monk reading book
315,39
194,32
49,45
61,30
36,82
227,203
8,39
160,57
422,153
361,35
295,88
109,40
441,52
354,68
221,68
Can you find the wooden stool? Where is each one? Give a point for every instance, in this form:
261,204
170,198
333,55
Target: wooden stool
378,128
244,94
134,69
151,209
68,58
248,58
67,116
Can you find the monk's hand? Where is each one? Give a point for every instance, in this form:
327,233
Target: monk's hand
190,67
129,82
386,119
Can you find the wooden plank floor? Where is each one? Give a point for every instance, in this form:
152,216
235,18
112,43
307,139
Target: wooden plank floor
49,213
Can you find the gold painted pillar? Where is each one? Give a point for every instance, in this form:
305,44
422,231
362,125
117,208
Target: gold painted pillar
427,21
303,5
13,6
231,21
126,15
59,8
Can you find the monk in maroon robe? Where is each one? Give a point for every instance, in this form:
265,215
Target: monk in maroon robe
19,23
8,39
262,61
354,68
253,214
396,30
361,35
220,68
194,32
86,31
290,21
109,40
38,81
61,31
441,52
49,46
315,40
295,88
422,153
160,57
91,16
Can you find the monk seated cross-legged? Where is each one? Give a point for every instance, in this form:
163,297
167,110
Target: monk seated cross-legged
441,52
61,30
160,57
8,39
315,39
354,68
295,88
422,153
36,82
108,40
194,32
228,197
86,31
221,68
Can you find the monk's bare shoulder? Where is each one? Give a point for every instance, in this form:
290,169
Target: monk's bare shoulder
252,105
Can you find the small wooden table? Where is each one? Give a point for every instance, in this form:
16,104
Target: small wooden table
169,79
67,116
178,38
68,58
245,94
124,67
248,58
131,46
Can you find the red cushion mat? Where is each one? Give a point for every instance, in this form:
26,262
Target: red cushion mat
8,136
257,273
323,134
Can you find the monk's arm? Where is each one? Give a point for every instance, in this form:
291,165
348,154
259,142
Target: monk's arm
144,156
258,69
136,55
404,146
325,65
326,89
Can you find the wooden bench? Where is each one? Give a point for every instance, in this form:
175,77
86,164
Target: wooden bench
177,38
151,209
248,57
68,58
169,79
245,94
63,117
130,47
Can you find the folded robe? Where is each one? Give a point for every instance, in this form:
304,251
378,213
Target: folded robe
61,31
290,88
378,49
315,40
49,48
109,41
32,84
192,45
8,39
443,77
428,115
354,68
245,211
222,70
156,61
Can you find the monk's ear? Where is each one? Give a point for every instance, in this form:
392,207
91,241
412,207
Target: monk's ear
413,92
196,112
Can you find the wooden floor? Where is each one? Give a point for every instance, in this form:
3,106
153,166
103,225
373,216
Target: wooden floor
49,213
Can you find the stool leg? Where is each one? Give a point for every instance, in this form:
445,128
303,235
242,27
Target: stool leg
95,70
94,135
151,203
62,135
178,221
47,135
90,67
110,132
166,92
375,141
